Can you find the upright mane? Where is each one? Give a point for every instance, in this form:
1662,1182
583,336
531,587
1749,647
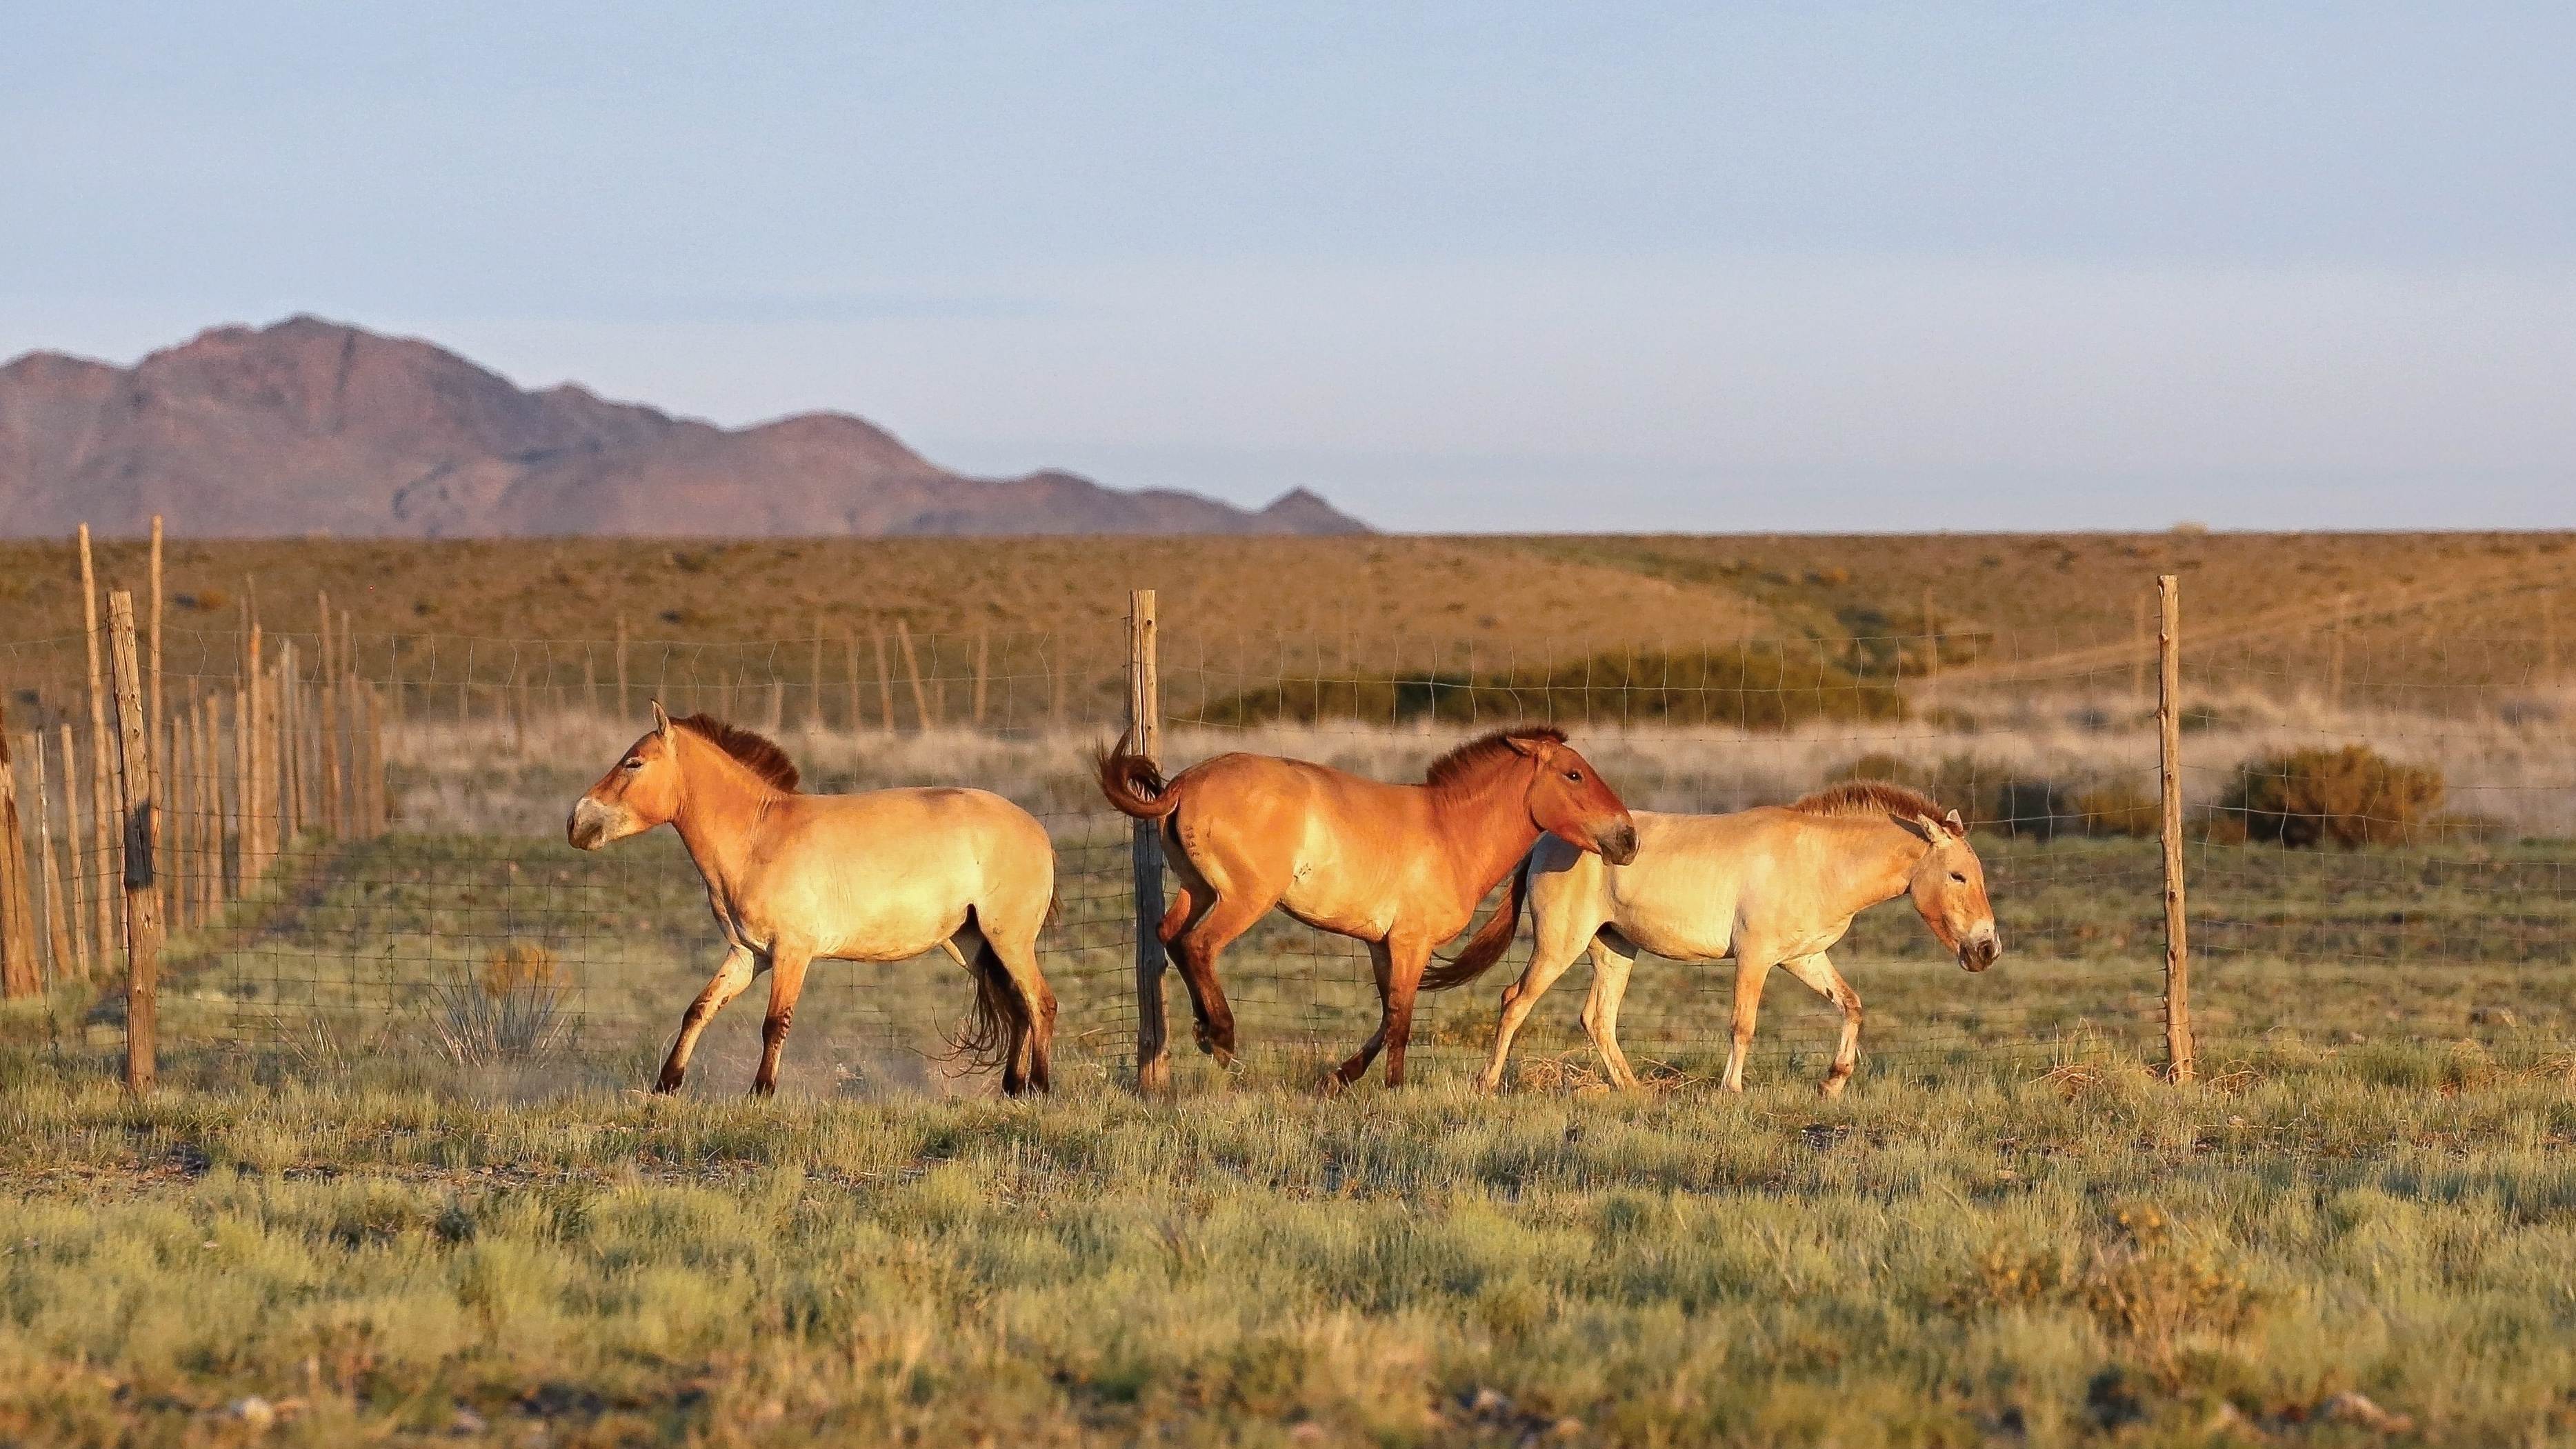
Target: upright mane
1867,797
757,751
1483,750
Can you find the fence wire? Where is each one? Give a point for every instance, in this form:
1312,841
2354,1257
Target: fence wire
445,913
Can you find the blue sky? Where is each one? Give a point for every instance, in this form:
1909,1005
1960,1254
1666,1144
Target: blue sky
1458,267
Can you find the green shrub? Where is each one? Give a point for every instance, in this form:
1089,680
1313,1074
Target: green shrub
1756,686
2352,796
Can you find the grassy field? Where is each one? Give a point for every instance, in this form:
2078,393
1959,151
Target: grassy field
2320,1246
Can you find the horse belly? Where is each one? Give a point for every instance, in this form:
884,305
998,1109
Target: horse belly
1330,901
1677,927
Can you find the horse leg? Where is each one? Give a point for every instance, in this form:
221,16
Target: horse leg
1409,957
1818,971
730,980
1750,972
1224,919
1612,955
1015,955
1382,962
786,983
1548,961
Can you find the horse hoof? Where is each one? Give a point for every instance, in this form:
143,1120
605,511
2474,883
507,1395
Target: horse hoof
666,1084
1831,1087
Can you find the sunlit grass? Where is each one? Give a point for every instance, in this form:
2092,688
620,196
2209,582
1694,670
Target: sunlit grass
2082,1252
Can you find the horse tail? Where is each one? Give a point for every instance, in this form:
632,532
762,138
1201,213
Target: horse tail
1490,941
983,1039
1132,782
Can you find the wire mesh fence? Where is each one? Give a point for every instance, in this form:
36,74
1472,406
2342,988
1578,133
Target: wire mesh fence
363,833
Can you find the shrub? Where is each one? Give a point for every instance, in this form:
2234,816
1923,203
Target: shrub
2352,796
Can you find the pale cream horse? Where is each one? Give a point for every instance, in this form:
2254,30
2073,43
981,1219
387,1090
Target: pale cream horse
1774,886
880,876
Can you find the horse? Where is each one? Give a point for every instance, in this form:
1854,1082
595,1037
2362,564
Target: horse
879,876
1401,867
1774,886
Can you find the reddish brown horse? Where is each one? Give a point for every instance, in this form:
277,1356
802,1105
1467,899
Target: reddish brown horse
1401,867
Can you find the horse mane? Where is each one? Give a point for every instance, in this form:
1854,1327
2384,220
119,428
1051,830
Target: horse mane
1867,797
756,751
1483,750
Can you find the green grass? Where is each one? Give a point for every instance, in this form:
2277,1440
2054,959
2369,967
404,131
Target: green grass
2008,1230
368,942
1951,1256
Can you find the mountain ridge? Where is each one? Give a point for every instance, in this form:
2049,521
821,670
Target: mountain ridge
311,426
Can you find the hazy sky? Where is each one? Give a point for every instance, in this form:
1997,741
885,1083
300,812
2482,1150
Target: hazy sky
1473,266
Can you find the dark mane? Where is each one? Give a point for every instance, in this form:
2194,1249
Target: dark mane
758,752
1867,797
1485,749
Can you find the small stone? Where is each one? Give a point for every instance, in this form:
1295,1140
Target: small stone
466,1422
1488,1401
1567,1428
1308,1432
256,1412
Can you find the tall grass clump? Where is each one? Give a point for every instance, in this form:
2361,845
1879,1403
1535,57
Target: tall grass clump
514,1008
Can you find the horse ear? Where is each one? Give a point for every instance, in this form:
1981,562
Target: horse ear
661,721
1957,826
1536,746
1933,830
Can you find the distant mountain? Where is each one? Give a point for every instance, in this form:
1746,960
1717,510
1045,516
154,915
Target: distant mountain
312,426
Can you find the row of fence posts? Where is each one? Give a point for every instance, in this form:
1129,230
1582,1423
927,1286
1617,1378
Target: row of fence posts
926,694
1145,735
192,803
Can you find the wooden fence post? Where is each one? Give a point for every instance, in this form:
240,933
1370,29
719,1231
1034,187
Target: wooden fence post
912,668
19,974
138,800
2178,1051
1145,850
885,682
160,741
983,670
101,781
621,666
77,895
58,919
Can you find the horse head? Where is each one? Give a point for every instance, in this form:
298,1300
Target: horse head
1949,890
1569,800
640,791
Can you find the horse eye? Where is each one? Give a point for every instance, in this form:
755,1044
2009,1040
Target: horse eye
1575,775
635,764
1961,879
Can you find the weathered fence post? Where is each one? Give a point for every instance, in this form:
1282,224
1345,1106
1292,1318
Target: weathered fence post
58,936
1145,736
101,785
912,669
885,682
2178,1054
76,895
19,975
138,800
621,666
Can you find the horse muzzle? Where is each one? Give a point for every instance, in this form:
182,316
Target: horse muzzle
1617,843
1980,950
593,825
